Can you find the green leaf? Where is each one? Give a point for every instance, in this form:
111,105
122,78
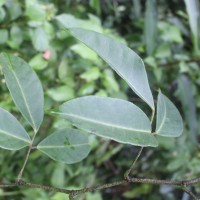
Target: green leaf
39,39
3,36
163,51
2,14
109,81
85,53
58,176
14,9
49,29
69,21
87,89
64,70
16,35
25,88
34,11
111,118
121,58
186,97
137,8
91,75
66,145
12,134
169,122
92,196
193,10
169,32
96,5
138,191
38,62
61,93
150,26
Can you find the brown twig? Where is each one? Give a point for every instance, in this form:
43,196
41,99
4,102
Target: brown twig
190,193
182,184
19,177
72,193
33,185
127,173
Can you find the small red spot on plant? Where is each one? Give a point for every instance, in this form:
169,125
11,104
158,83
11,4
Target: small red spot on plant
47,55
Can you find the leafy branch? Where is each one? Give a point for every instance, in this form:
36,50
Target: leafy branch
106,117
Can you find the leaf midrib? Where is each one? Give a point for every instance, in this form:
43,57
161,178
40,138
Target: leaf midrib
105,124
62,146
14,136
163,120
22,93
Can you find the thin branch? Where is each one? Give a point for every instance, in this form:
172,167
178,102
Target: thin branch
8,185
127,173
33,185
190,193
191,181
152,116
48,188
19,177
182,184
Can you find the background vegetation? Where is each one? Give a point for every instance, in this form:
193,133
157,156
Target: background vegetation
166,34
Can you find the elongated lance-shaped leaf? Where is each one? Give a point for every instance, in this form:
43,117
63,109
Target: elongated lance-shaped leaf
121,58
169,122
66,145
185,94
150,26
12,134
111,118
193,10
25,88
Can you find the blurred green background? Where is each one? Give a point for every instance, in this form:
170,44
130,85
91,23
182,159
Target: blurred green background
166,34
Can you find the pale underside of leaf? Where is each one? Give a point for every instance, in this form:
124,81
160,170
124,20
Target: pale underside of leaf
66,145
121,58
21,91
158,129
24,87
193,10
169,122
10,142
12,135
119,134
110,118
71,116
